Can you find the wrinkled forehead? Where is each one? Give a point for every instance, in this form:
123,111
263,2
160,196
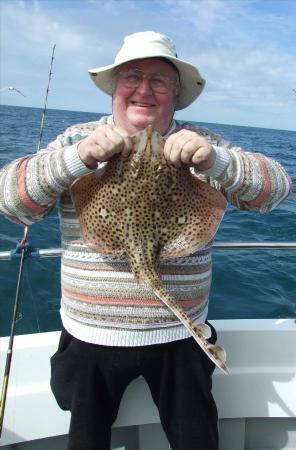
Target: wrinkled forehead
151,65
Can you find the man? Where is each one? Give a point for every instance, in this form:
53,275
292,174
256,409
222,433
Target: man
115,329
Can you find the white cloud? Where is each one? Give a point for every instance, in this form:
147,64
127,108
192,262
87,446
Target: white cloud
226,44
245,53
36,29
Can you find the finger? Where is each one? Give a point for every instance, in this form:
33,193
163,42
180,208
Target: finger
123,139
178,150
197,158
172,148
128,144
168,146
204,158
167,150
100,153
189,149
108,143
174,141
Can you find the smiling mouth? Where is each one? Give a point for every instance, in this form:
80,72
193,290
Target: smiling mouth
142,105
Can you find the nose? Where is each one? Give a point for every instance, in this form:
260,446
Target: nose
144,87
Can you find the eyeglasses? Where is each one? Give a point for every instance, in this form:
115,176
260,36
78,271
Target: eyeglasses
157,82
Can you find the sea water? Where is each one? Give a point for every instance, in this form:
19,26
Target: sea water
246,283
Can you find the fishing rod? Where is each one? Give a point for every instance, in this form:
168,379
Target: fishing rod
46,96
23,249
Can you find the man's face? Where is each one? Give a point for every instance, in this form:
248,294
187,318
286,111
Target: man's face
134,108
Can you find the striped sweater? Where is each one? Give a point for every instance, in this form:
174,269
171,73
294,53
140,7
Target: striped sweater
101,302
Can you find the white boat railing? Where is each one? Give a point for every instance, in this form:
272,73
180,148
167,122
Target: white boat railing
56,252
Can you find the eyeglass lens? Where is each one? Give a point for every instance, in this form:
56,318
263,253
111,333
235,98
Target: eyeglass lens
158,83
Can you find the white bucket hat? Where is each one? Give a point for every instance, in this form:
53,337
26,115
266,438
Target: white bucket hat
149,44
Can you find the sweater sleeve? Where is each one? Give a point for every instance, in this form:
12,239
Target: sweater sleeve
30,186
252,181
249,181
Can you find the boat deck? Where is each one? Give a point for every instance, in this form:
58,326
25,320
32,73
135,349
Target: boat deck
256,402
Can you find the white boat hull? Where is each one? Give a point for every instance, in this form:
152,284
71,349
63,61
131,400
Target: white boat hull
258,397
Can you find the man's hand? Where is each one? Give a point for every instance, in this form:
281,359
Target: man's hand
102,144
188,148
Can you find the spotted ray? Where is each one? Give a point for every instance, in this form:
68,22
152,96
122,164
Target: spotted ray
152,211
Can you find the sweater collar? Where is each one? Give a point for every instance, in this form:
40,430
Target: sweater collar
110,121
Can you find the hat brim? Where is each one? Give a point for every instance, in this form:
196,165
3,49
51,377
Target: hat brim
191,82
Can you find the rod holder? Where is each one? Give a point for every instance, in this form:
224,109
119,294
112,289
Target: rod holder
29,251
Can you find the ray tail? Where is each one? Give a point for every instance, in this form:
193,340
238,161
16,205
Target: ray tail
199,332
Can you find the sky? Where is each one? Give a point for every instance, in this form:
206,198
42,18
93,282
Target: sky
245,49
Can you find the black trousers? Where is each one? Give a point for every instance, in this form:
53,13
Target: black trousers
89,380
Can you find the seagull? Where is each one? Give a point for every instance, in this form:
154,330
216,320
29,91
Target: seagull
11,88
